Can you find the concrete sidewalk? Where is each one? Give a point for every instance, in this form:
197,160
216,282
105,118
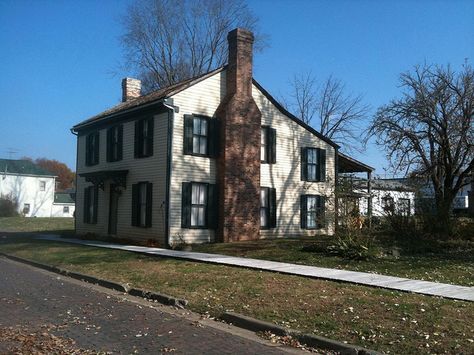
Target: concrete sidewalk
463,293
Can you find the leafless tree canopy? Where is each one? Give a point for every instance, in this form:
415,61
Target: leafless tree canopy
329,109
430,129
167,41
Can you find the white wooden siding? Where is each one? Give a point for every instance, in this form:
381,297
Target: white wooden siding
285,175
203,99
152,169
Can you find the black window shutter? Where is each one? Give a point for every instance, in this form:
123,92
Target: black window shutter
120,143
96,148
188,134
272,208
109,144
149,203
321,208
135,191
213,138
271,145
137,139
87,198
150,136
303,211
322,164
212,206
96,204
304,164
186,205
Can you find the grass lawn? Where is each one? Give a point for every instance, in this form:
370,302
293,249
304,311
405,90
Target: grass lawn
387,321
455,266
24,224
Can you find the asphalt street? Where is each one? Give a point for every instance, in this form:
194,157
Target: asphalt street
41,312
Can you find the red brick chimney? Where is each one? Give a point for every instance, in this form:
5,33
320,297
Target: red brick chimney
131,89
238,171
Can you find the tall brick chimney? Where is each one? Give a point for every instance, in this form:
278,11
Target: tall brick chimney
131,89
238,172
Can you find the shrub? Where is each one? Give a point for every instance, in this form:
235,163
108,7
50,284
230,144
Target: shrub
354,247
8,207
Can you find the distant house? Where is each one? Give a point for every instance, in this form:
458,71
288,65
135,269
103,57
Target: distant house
64,204
213,158
30,186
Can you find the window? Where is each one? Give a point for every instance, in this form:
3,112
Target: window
114,143
92,149
65,209
313,164
312,212
90,204
26,208
267,208
42,185
142,196
200,136
404,206
388,204
144,138
268,145
199,205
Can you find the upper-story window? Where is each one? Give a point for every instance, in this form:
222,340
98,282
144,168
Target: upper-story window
42,185
142,198
144,138
114,143
267,208
268,145
313,164
312,212
200,136
199,205
92,148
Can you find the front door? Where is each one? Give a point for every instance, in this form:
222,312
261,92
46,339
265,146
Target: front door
113,209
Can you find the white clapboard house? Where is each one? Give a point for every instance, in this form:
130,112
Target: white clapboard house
210,159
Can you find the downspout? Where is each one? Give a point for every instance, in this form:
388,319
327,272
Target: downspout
336,189
168,103
75,180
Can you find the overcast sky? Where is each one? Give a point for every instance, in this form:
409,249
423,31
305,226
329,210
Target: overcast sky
60,60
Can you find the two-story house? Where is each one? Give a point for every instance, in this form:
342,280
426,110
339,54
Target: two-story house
28,185
213,158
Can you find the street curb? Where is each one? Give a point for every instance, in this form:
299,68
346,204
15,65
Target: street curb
315,341
159,297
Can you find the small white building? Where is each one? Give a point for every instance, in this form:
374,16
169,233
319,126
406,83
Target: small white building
33,189
391,196
64,205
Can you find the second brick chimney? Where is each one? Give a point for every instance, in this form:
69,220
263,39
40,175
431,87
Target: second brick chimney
131,89
238,171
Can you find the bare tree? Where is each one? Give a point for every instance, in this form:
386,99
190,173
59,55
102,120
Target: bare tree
167,41
430,131
329,109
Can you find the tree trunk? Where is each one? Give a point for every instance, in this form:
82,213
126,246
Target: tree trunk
443,221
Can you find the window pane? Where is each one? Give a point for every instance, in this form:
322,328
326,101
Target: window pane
203,127
195,194
202,194
311,203
263,217
263,140
263,197
202,145
311,156
200,216
195,144
311,220
196,126
311,172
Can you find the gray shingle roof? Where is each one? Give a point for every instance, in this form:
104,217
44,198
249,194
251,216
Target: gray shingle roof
22,167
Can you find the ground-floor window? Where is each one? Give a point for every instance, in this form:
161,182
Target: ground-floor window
199,205
90,204
312,212
267,208
142,204
66,209
26,208
404,206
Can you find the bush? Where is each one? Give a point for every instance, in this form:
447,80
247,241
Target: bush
8,207
354,247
